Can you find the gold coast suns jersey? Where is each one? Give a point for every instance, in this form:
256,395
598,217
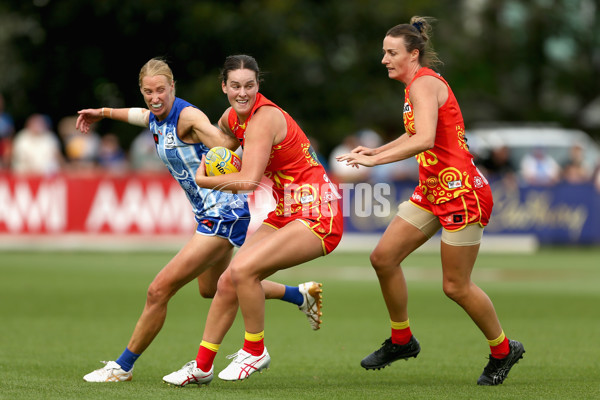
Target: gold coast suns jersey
447,170
300,182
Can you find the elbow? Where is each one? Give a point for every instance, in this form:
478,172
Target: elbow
242,186
249,186
428,145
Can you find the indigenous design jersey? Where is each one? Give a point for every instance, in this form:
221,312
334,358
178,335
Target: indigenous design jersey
300,182
447,171
182,160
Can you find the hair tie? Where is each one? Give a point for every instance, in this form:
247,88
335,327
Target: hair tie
418,25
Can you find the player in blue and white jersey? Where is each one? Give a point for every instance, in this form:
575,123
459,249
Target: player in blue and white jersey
183,134
216,212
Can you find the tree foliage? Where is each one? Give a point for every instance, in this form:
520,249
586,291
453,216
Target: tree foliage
510,60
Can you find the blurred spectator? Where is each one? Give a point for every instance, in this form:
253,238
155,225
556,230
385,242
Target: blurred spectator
577,170
142,153
345,173
498,164
81,150
7,131
36,149
111,156
538,168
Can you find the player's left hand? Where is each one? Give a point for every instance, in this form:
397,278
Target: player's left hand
356,159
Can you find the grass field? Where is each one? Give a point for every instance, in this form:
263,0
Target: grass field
62,312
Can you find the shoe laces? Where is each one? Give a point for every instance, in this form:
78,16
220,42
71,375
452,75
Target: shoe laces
190,365
494,364
108,362
238,356
388,345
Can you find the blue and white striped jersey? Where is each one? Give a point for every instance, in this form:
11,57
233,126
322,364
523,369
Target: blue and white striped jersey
183,159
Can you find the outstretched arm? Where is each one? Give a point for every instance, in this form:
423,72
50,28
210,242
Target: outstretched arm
426,95
134,116
370,157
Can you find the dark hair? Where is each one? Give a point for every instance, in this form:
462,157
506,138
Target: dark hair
417,35
240,61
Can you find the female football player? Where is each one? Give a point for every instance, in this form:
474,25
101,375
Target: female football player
183,134
305,224
452,194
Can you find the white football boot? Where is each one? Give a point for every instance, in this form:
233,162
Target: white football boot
189,374
111,372
245,364
311,291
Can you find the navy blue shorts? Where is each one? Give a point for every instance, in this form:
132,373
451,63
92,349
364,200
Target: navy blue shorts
232,228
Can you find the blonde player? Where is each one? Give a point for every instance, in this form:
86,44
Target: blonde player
183,134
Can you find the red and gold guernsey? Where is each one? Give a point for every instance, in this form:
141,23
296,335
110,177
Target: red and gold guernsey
447,170
300,183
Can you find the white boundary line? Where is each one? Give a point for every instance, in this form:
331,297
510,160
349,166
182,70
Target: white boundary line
351,242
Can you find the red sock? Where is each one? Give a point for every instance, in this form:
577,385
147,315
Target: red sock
254,348
501,350
205,358
401,336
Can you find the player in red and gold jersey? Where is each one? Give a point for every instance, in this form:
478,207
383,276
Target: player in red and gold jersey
452,194
304,225
300,183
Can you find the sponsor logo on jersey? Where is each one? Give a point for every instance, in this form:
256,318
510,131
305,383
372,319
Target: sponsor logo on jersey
307,199
208,223
454,184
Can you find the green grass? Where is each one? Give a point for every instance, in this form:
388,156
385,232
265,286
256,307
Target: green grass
62,312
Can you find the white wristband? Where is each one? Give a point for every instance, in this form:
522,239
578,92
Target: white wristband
136,116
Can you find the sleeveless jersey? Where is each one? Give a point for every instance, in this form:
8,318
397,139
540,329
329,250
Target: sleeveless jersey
300,182
447,170
183,159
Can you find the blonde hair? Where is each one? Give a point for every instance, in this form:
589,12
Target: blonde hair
417,35
154,67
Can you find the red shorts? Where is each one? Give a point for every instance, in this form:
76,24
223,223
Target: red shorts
471,208
327,224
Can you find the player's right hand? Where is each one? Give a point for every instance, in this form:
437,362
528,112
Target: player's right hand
87,117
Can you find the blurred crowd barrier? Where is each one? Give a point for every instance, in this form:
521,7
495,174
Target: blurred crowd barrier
152,205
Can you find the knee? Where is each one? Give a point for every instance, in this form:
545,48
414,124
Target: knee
381,262
207,291
456,291
225,285
157,294
239,273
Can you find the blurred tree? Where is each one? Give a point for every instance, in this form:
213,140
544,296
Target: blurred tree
511,60
527,60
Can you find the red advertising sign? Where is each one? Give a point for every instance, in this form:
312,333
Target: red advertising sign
101,204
